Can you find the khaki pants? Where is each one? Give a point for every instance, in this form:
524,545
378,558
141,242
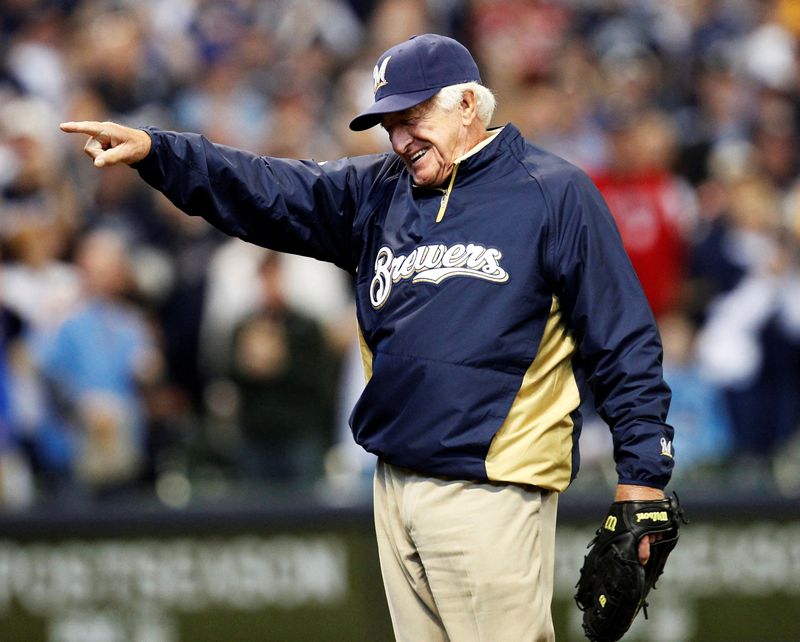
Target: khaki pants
465,561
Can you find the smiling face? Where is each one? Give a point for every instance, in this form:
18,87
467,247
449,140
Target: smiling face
429,139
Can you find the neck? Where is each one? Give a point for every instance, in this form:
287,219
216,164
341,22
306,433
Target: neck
475,135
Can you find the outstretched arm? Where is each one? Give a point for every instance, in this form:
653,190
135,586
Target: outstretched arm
297,206
110,143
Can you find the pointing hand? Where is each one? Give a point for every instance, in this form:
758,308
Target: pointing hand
110,143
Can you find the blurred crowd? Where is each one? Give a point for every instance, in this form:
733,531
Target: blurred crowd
142,351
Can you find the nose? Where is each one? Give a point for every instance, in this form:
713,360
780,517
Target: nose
399,138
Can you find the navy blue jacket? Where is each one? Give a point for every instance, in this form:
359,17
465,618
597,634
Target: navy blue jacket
483,309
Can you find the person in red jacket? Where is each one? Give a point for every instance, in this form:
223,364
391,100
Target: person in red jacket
652,207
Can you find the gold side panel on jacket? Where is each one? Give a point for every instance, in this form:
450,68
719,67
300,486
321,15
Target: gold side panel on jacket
366,355
534,444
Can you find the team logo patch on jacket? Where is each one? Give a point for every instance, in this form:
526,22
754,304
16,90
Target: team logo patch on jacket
433,264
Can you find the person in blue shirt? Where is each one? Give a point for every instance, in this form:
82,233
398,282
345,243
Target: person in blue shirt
96,361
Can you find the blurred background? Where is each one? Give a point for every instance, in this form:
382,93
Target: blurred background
175,461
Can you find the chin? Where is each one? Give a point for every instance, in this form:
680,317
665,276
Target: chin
417,178
424,179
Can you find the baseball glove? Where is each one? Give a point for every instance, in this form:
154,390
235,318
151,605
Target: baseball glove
613,584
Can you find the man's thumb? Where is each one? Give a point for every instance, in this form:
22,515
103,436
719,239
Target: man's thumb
111,156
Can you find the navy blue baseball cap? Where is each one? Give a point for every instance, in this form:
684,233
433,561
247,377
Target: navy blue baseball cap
413,71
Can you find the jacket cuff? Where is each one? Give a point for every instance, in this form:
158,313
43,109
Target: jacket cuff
646,461
149,161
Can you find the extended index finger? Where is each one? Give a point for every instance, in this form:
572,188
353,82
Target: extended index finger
90,127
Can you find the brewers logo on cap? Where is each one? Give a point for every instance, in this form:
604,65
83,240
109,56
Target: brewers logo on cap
379,75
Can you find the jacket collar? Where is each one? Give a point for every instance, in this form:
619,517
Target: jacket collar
487,150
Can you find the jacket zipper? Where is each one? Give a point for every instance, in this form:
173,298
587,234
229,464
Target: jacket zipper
446,197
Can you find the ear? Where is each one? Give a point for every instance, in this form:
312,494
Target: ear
468,107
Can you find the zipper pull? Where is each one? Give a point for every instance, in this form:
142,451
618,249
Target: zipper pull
446,197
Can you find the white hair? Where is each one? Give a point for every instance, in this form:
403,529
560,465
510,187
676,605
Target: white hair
448,98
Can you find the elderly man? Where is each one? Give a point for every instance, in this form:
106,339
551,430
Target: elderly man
491,286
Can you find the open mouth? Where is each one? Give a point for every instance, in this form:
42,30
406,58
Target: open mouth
416,157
